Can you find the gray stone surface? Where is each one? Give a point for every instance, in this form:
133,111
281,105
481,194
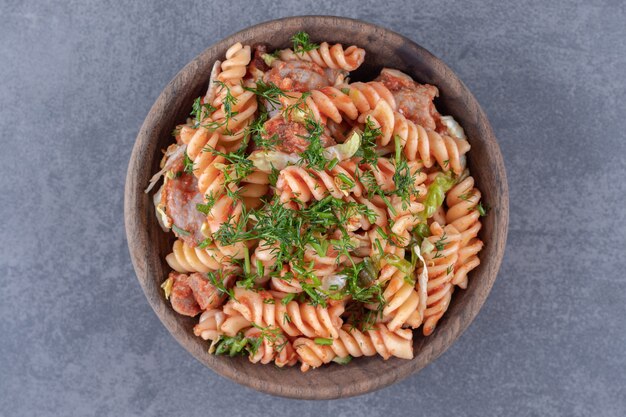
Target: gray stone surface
77,336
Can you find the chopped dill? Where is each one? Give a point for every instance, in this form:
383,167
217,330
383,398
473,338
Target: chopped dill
188,164
302,43
367,151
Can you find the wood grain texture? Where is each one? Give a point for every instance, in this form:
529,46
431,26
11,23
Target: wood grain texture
148,244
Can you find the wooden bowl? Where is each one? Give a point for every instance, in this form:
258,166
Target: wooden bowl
148,244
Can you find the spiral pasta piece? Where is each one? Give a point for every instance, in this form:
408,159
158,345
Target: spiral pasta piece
275,349
403,218
345,180
264,255
468,260
333,103
235,107
234,66
366,96
327,56
186,259
207,166
430,146
197,139
254,186
404,221
285,282
225,210
215,323
362,174
382,116
286,285
304,185
294,319
401,300
235,110
440,265
405,215
325,265
347,177
376,205
348,101
353,342
222,130
462,201
236,101
417,142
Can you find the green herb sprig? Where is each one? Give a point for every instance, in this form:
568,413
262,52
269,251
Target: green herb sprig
302,43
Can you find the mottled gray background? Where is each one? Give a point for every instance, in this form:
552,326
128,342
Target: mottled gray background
77,336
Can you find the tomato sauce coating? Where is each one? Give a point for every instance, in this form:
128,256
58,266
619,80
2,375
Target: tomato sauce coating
290,136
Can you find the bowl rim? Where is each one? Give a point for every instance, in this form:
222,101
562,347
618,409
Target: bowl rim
133,196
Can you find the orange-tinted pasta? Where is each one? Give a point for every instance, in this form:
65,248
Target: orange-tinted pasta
264,310
335,216
353,342
440,263
329,56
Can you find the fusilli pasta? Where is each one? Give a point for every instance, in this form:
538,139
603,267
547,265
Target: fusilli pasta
193,259
351,342
318,219
265,310
328,56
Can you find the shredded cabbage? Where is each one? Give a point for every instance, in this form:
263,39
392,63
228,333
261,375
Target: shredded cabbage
422,281
164,220
420,232
234,345
167,287
335,281
220,166
298,115
266,160
155,179
427,247
436,194
402,264
342,361
172,154
268,59
210,92
454,129
344,150
323,341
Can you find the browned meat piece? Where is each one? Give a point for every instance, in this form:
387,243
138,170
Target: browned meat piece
291,137
206,295
181,297
297,76
414,100
180,196
258,65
